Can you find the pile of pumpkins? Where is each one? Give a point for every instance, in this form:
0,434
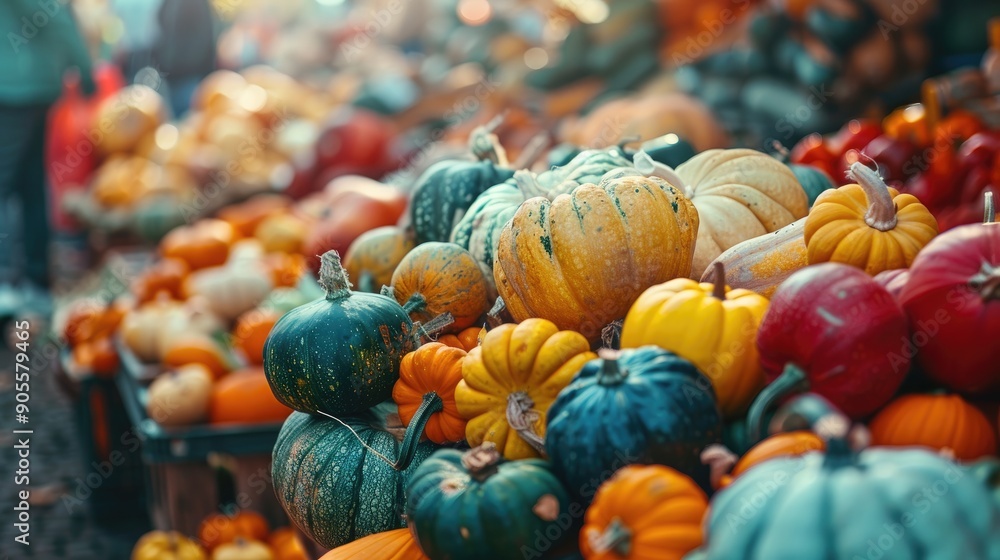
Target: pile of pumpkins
589,361
240,535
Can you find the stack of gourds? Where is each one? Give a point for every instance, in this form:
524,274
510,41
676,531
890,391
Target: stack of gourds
235,535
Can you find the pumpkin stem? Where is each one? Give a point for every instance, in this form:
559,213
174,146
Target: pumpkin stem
719,290
720,461
987,282
481,462
429,406
431,329
485,145
521,415
527,183
881,213
611,334
494,317
652,168
415,304
815,413
989,215
616,538
792,380
333,277
533,150
611,373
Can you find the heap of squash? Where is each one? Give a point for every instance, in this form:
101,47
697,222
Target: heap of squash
528,365
241,535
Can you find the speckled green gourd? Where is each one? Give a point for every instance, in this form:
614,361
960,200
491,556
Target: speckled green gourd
339,354
445,191
334,488
474,505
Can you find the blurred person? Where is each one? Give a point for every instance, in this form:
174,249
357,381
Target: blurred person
184,52
42,43
141,29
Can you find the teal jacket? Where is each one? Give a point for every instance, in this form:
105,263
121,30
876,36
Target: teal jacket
40,42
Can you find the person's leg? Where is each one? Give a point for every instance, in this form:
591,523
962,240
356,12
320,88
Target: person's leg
33,189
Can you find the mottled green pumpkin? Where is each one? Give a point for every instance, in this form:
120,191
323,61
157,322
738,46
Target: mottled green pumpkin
339,354
474,505
335,489
445,191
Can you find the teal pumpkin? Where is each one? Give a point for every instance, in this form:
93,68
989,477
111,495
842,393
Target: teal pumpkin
813,180
474,505
339,354
642,406
337,490
155,216
887,503
445,192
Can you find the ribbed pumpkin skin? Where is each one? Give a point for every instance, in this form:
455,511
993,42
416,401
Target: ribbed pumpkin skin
718,336
436,368
334,489
374,256
778,445
663,412
446,191
761,264
582,259
466,339
397,544
340,356
740,194
447,279
533,357
935,421
660,507
818,510
458,517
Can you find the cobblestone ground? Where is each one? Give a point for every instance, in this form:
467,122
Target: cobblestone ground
58,528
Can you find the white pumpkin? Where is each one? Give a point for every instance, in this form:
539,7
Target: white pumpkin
180,397
232,289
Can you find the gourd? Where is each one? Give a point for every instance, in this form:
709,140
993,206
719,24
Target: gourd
218,529
938,421
726,466
339,354
161,545
397,544
165,276
511,379
245,397
466,339
867,225
582,259
180,397
434,368
199,349
762,263
251,331
202,244
437,278
637,406
644,511
375,254
282,233
710,325
229,290
457,500
241,549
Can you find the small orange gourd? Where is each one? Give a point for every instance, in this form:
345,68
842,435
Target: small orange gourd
436,368
938,421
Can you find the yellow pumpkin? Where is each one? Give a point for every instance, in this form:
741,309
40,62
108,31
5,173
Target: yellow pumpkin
241,549
282,233
581,259
868,225
510,381
708,324
374,255
162,545
740,194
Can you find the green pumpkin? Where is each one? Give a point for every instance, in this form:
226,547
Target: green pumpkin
339,354
476,506
886,503
156,216
813,180
337,490
445,192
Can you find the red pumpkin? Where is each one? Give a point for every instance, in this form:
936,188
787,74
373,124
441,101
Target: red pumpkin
893,280
354,141
952,300
832,330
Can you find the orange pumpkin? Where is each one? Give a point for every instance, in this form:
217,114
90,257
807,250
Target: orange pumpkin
202,244
435,368
467,339
218,529
398,544
247,216
287,545
97,355
281,233
644,512
165,276
198,349
937,421
251,332
436,278
787,444
81,319
245,397
286,269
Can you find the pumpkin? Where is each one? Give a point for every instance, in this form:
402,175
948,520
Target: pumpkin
397,544
510,380
952,299
762,263
246,216
893,280
946,422
726,467
644,511
98,356
245,397
164,276
162,545
287,545
202,244
432,368
867,225
185,321
325,477
466,339
242,549
218,529
148,329
122,180
582,259
198,349
281,233
230,290
739,194
157,214
708,324
637,406
880,503
286,269
831,330
339,354
374,256
445,192
129,118
250,333
456,501
436,278
180,397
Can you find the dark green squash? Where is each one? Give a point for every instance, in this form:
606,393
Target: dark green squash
642,406
337,490
474,505
339,354
888,503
